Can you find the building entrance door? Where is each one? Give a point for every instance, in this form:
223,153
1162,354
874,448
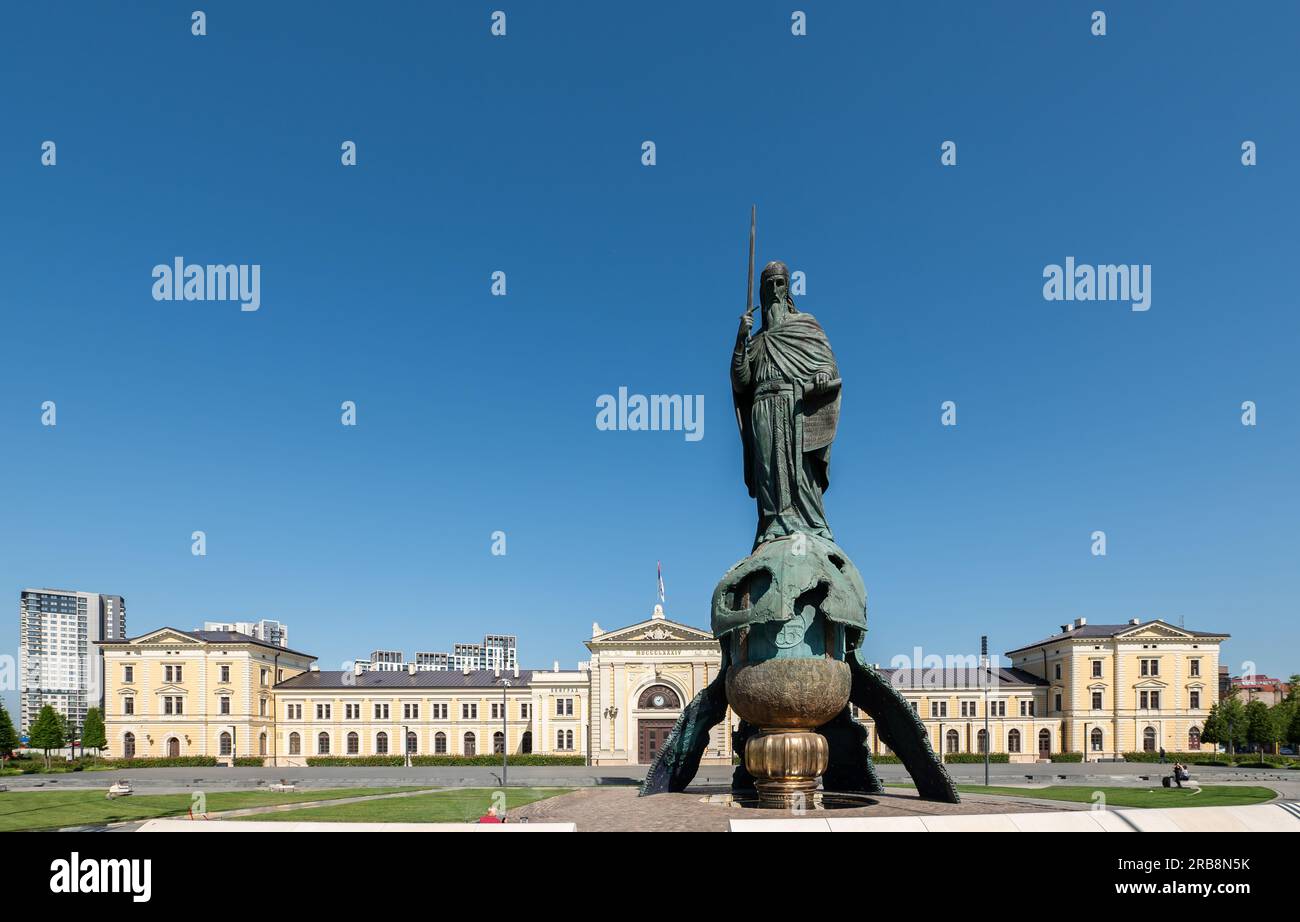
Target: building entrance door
651,735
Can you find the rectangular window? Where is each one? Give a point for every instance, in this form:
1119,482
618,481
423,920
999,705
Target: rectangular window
293,712
128,673
1142,700
496,711
225,674
322,712
1195,699
261,707
410,712
563,707
523,710
1155,701
128,706
352,711
1150,667
1058,670
469,711
266,673
1196,667
225,704
1096,669
1058,701
381,712
1027,708
938,708
1096,701
167,704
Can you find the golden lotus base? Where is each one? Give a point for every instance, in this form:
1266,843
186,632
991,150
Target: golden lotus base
786,765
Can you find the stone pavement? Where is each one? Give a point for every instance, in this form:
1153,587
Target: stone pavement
620,810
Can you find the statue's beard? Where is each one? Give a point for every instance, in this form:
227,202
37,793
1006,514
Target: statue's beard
777,308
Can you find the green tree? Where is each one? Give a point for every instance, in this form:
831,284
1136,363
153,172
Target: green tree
1259,726
8,736
1215,729
48,732
92,732
1293,728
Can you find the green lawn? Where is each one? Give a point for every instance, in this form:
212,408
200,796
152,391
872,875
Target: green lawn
27,810
1211,795
459,805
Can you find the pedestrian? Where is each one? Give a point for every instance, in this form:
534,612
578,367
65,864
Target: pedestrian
1162,755
1178,774
491,816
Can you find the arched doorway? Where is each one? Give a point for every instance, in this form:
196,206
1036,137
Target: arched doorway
323,744
1149,739
1044,744
526,743
982,741
354,744
653,728
128,746
173,748
471,748
440,743
261,745
295,744
381,744
1194,738
1096,739
412,743
224,743
953,741
498,743
1013,741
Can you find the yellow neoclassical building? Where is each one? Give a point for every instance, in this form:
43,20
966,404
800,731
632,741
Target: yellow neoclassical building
174,693
1099,690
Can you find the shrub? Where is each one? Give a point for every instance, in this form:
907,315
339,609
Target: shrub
1067,757
423,760
162,762
250,761
969,758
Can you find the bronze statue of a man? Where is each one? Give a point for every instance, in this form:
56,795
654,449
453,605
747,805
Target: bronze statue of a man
786,388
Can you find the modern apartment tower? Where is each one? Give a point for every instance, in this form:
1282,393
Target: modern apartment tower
497,651
58,662
272,632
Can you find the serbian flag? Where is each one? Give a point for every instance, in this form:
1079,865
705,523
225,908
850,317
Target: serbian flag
661,580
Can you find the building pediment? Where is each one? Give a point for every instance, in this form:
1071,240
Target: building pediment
168,635
652,631
1155,630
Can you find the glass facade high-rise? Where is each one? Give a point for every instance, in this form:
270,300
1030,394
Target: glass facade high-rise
58,662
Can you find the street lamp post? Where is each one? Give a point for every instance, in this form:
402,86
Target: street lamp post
505,736
611,714
988,674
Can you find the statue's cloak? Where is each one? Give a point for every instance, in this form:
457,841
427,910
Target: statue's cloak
797,348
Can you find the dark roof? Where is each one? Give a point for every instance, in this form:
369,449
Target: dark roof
957,677
212,637
1098,631
475,678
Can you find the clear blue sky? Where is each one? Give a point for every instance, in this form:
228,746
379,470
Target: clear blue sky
476,413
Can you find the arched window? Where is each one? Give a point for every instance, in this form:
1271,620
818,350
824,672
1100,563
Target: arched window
412,743
568,739
223,742
954,740
1096,739
261,745
526,742
1149,739
174,748
295,744
659,697
381,744
128,746
498,743
1013,741
471,748
354,743
1194,738
323,744
982,741
440,744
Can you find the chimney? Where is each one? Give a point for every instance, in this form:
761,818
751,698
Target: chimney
410,668
1080,622
555,666
1066,628
496,672
516,670
464,669
357,668
1134,621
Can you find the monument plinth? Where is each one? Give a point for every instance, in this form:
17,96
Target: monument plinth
792,616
